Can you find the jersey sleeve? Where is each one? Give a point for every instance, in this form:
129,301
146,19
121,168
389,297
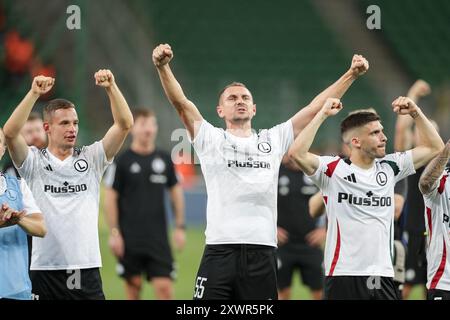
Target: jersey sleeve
28,166
324,172
110,173
285,134
401,163
29,204
171,173
118,177
401,188
206,137
95,154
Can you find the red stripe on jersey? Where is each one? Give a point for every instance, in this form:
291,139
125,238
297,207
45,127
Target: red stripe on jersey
331,166
430,223
442,184
336,250
440,271
325,199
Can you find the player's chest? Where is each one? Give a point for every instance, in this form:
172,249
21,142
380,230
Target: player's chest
67,172
146,171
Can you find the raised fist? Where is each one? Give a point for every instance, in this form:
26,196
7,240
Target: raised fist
359,65
41,85
332,106
162,55
405,105
419,89
104,78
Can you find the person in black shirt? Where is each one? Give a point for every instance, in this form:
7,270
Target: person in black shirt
299,237
134,204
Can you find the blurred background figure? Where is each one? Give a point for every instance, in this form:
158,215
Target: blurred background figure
300,237
34,134
135,211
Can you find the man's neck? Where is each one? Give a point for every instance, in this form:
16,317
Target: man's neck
142,149
362,160
240,129
60,153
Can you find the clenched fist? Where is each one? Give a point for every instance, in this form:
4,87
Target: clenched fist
419,89
332,106
405,105
162,55
104,78
359,65
41,85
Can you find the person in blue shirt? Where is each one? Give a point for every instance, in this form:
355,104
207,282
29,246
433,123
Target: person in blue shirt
19,216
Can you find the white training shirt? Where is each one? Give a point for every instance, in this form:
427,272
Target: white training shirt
437,220
360,210
68,193
241,176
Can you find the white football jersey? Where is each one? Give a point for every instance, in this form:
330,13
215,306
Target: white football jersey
241,176
68,193
437,222
360,211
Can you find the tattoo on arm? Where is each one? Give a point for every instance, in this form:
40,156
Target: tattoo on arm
433,171
414,115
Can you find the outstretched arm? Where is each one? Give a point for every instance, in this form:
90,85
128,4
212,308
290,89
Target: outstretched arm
430,143
299,151
17,146
358,67
403,128
123,119
430,176
188,112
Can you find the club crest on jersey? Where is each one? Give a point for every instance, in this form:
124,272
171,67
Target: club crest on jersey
135,168
264,147
381,178
158,165
81,165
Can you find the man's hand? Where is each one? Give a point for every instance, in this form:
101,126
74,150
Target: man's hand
116,243
104,78
316,238
9,216
359,65
41,85
419,89
405,105
162,55
179,238
282,236
331,107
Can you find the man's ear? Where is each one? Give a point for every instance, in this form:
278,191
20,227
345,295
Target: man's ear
219,110
356,142
46,127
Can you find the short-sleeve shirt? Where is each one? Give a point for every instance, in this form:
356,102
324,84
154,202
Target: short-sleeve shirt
437,222
141,182
241,176
360,211
68,192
